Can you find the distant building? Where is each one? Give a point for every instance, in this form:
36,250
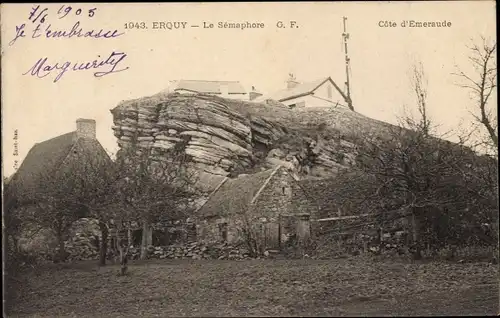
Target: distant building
320,93
225,89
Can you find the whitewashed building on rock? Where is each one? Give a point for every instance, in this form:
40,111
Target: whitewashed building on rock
323,92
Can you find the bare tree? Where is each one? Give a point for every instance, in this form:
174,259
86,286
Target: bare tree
418,80
154,187
79,187
482,85
435,181
93,186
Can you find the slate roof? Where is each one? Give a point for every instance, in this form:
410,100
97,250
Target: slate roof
235,196
209,87
302,89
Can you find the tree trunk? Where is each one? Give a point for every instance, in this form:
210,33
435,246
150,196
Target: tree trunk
122,247
144,241
123,262
129,236
61,257
123,259
417,254
104,243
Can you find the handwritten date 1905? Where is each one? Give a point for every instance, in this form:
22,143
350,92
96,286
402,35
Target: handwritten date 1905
40,15
65,10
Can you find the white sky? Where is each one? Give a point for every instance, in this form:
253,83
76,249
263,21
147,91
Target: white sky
380,59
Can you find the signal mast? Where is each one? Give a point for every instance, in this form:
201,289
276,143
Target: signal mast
345,36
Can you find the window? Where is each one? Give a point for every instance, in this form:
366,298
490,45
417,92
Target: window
286,190
292,106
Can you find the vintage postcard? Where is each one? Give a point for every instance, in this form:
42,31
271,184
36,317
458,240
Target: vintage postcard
250,159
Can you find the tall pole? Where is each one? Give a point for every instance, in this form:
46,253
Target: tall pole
345,35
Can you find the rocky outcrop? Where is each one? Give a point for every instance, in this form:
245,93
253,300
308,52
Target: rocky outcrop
216,138
224,136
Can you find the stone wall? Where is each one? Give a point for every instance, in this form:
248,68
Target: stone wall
275,199
273,216
209,230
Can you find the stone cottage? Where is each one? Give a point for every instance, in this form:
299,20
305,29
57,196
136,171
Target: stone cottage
65,155
52,170
262,202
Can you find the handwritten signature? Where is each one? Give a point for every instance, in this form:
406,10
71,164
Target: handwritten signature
43,68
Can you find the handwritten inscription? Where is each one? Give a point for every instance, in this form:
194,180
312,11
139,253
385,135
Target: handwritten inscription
76,31
38,26
43,67
67,9
39,16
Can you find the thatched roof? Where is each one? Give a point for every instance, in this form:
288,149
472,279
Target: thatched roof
235,196
45,158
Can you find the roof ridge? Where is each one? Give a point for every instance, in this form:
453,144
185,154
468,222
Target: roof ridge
318,80
213,192
65,134
256,196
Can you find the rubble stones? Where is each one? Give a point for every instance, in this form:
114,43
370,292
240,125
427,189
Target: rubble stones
197,251
85,246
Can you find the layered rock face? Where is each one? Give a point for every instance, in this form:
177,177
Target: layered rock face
224,136
216,138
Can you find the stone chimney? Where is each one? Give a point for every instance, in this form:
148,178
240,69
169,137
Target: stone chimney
254,94
85,128
291,82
